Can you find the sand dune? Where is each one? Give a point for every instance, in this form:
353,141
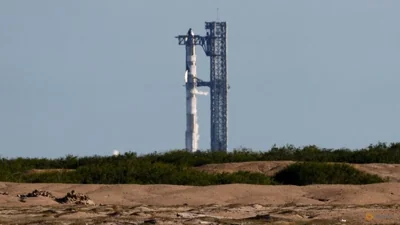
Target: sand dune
391,171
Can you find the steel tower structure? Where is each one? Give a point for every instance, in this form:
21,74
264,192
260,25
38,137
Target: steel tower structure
215,46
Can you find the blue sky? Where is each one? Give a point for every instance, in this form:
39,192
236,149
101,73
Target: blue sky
87,77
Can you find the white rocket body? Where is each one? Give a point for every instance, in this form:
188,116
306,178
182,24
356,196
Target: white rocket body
192,127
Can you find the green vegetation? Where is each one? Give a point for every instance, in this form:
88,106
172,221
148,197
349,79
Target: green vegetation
305,173
379,153
121,170
175,167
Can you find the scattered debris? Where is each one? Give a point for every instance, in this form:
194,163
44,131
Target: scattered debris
3,193
76,198
37,193
71,197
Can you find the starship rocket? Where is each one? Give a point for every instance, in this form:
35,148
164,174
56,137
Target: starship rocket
192,127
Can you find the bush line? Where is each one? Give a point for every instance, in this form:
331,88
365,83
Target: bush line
174,167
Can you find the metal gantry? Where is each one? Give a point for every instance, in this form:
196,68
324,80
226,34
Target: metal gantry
215,46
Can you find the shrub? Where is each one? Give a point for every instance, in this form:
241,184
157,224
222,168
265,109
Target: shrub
306,173
144,173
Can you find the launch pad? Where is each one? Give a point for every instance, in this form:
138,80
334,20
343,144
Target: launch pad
214,45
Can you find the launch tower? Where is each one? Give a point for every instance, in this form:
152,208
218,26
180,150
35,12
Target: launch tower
215,46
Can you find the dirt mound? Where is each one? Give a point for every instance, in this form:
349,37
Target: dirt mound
390,171
270,168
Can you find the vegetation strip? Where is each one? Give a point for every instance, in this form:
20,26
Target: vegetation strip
176,167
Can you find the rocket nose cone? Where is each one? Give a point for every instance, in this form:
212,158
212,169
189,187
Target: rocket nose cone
190,32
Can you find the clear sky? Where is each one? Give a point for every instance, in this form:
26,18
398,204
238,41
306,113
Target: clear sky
87,77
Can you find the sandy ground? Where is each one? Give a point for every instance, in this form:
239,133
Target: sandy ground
220,204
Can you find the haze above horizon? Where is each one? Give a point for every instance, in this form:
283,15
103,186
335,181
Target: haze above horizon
88,77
